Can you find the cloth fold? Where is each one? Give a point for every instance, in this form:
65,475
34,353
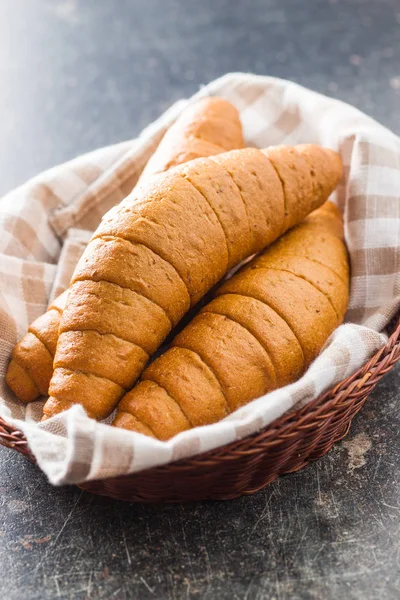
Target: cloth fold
46,223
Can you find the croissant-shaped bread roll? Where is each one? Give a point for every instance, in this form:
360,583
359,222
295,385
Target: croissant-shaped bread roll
159,251
31,366
210,126
265,326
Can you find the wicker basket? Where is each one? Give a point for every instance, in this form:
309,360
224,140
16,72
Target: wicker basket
246,466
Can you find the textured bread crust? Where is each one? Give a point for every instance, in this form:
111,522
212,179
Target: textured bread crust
261,331
170,242
210,126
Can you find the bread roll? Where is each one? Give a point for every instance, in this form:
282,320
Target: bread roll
207,127
170,242
261,331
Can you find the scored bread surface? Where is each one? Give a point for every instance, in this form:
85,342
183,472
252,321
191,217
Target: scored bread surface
170,241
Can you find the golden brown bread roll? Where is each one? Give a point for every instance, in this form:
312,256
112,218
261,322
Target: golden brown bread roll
31,366
168,243
261,331
209,126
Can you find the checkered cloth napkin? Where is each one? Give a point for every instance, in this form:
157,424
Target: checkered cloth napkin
46,223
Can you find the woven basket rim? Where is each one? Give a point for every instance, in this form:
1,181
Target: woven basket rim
329,402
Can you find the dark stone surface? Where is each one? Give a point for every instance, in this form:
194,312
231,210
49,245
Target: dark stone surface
77,75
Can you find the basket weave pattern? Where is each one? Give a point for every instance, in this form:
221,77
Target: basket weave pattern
246,466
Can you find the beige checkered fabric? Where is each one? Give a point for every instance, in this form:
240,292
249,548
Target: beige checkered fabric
46,223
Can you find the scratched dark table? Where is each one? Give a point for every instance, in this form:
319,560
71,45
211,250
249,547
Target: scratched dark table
75,75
